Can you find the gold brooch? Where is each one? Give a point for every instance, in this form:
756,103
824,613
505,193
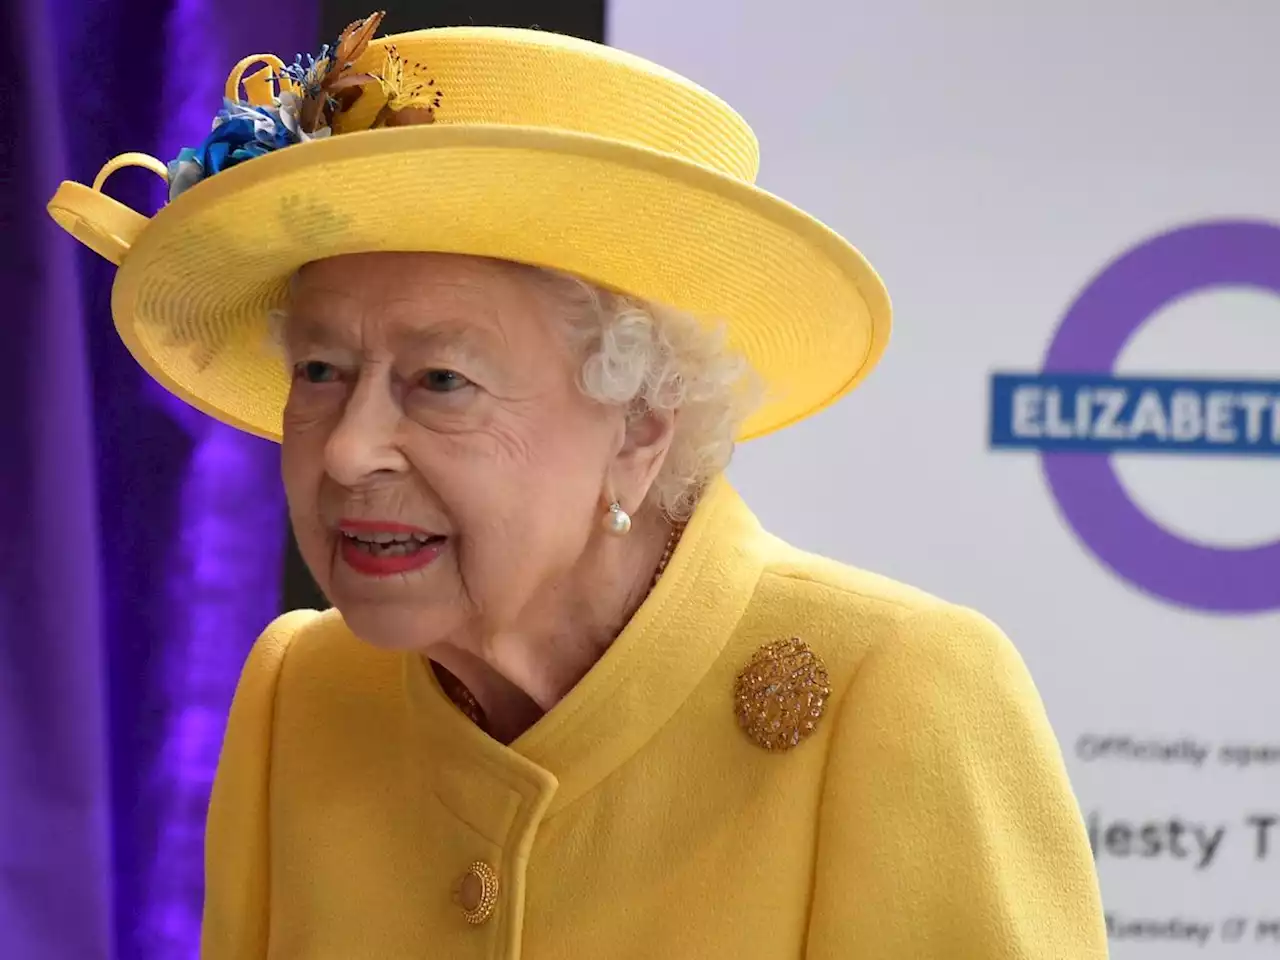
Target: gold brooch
477,893
781,693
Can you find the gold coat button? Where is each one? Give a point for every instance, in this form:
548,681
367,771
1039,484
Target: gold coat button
781,694
477,893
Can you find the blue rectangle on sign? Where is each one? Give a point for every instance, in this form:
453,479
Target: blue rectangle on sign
1098,413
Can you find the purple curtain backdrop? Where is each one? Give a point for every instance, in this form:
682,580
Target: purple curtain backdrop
141,543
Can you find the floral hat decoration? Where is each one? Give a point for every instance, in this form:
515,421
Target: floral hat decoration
306,99
512,144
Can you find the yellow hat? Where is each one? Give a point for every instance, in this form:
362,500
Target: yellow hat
512,144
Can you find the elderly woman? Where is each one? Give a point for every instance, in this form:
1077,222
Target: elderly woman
509,300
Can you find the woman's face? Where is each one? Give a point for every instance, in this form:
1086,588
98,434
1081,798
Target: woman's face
443,469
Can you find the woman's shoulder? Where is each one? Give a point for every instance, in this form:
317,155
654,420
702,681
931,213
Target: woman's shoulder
914,678
852,616
938,750
293,631
313,648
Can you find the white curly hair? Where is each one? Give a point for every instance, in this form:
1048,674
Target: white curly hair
645,357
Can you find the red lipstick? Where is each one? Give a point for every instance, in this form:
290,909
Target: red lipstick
378,548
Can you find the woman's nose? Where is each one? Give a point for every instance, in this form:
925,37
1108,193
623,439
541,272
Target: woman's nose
364,442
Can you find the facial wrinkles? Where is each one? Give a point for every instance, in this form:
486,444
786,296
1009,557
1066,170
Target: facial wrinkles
511,428
525,432
378,322
402,500
526,373
477,475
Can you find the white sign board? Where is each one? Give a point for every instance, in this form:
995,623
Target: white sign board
1076,208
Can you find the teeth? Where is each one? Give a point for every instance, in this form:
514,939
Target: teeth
389,549
391,544
385,538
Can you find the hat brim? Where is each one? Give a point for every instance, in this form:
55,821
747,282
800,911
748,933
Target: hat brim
192,296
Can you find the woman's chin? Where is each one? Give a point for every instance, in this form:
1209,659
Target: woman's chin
394,626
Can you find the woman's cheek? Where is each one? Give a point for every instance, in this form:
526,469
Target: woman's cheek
458,411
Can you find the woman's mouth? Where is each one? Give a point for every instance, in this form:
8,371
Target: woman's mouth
384,549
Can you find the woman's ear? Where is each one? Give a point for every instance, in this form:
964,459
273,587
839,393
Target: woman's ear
644,449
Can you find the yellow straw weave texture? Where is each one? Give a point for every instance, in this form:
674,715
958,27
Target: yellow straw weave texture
547,151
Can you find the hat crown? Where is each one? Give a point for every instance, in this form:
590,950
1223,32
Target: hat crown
526,78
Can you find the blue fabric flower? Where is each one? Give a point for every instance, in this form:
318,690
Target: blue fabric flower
240,133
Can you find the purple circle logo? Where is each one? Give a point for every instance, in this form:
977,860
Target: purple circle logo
1077,412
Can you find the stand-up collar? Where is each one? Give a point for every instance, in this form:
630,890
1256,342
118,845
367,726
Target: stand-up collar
630,693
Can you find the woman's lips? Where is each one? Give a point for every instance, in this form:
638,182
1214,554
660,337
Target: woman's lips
383,548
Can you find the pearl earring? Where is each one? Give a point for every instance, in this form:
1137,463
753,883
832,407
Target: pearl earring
617,521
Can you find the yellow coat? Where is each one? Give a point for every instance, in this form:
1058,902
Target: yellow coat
928,815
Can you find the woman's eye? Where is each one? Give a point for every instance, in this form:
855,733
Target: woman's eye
315,371
444,381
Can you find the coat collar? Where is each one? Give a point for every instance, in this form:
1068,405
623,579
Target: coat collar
632,691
